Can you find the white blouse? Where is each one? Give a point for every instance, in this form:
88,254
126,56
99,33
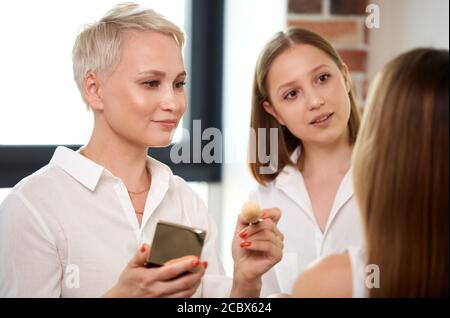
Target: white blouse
69,229
304,240
357,257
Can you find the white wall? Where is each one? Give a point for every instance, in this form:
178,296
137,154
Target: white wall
405,24
249,24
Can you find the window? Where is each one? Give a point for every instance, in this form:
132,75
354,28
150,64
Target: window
37,84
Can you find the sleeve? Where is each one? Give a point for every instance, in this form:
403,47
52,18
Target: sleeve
29,262
215,283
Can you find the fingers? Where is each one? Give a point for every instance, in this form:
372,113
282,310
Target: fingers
176,260
177,267
265,225
184,286
265,247
267,236
273,213
140,258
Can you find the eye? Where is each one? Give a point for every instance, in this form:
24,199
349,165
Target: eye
180,85
291,95
152,84
323,77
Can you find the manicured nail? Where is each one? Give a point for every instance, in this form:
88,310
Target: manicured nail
264,215
195,262
142,248
243,234
205,265
245,244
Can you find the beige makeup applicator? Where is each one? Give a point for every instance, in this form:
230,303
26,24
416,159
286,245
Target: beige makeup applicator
251,212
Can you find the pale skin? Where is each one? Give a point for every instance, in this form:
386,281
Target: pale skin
330,278
304,84
136,105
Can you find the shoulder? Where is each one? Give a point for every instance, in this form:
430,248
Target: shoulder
22,212
40,182
329,277
259,191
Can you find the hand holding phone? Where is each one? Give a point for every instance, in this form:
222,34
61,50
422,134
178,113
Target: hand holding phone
180,278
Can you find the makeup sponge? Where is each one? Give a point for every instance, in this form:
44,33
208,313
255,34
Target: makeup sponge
251,211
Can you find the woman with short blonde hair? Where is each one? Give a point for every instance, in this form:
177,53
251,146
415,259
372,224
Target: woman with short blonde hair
81,225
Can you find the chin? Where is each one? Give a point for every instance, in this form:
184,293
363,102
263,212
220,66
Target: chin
158,139
332,137
159,143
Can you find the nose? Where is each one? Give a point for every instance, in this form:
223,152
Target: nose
168,100
315,102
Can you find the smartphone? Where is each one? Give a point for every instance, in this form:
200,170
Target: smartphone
174,241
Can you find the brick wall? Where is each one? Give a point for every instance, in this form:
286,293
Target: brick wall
342,23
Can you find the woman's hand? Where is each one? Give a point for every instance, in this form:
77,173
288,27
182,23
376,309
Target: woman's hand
256,248
177,278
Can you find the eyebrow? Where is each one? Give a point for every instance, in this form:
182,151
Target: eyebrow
159,73
293,82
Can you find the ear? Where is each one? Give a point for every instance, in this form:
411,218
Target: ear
347,78
271,110
92,90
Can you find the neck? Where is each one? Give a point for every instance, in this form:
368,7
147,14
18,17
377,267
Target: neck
323,159
120,156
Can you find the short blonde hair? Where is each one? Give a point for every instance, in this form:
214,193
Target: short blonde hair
97,47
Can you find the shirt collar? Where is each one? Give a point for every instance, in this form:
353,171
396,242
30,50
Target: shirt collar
88,173
288,174
290,181
85,171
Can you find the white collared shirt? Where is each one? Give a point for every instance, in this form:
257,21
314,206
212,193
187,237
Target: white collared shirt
70,229
304,241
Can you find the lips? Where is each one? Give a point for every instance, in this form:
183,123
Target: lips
166,121
166,124
320,118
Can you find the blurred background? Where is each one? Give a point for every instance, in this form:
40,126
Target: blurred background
40,106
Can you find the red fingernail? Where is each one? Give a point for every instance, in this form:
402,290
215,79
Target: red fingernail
243,234
195,262
245,244
142,248
205,265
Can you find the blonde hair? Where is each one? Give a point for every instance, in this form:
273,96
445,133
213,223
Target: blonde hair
287,142
400,174
97,47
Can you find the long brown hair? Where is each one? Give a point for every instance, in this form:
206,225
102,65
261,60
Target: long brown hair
287,142
400,169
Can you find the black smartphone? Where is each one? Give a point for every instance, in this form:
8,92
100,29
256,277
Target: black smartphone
173,241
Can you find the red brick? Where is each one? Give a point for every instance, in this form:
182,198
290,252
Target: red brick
356,60
357,7
305,6
335,31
